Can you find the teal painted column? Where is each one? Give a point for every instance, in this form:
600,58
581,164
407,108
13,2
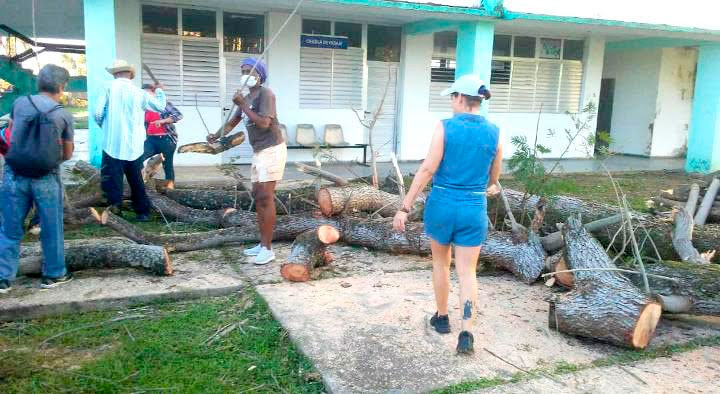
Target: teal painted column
703,141
99,53
474,51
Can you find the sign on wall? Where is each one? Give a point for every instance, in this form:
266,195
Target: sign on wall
318,41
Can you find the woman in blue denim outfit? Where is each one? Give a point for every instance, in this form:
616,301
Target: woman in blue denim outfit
464,163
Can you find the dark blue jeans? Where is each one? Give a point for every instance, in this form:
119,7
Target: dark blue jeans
17,196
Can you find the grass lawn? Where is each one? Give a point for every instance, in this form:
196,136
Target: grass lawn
638,186
80,114
156,348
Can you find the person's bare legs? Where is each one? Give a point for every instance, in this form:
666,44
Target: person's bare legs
465,265
441,255
264,194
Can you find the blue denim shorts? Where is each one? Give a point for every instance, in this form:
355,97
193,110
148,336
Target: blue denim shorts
456,217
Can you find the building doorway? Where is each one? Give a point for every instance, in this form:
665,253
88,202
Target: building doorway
604,114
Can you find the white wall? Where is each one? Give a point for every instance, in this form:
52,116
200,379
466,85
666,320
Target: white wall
128,27
674,101
416,123
636,75
284,79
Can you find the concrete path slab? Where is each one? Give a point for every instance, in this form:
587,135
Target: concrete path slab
371,333
692,372
197,274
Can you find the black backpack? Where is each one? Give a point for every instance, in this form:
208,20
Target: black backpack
36,148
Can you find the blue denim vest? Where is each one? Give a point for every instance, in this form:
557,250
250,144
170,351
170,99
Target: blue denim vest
470,146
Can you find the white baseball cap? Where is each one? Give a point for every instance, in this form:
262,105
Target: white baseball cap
469,85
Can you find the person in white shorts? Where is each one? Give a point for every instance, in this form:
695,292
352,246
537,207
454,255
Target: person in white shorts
269,151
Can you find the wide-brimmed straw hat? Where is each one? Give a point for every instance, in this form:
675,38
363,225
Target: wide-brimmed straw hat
119,66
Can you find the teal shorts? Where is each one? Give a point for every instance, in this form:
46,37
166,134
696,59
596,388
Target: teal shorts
458,217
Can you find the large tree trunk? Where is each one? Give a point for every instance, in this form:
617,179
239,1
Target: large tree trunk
695,291
212,199
171,210
524,259
354,198
604,305
660,229
309,251
220,146
100,253
682,239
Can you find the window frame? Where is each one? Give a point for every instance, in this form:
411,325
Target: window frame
538,60
264,30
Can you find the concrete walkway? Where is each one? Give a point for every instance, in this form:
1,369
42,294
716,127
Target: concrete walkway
214,175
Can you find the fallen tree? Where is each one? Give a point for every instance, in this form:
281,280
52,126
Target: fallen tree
660,229
694,290
365,198
603,305
100,253
309,251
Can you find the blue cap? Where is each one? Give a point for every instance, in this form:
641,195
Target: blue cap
469,85
259,67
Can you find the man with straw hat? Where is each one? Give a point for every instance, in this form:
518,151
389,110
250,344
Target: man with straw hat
120,111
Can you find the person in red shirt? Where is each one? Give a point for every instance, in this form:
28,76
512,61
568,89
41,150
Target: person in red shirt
161,136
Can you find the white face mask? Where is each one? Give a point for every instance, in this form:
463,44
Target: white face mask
248,80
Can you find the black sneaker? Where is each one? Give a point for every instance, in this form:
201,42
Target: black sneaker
465,343
5,286
441,323
49,283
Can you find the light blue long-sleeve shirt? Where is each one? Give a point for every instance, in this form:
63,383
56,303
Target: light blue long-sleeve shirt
120,111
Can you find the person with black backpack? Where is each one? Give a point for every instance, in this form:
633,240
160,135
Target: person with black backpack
42,138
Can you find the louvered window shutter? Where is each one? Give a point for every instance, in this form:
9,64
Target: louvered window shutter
201,72
570,86
522,91
162,55
315,77
347,77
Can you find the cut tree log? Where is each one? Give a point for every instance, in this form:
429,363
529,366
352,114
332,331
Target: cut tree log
100,254
695,291
659,228
707,202
713,215
220,146
365,198
603,305
213,199
554,241
682,239
692,199
556,263
171,210
309,251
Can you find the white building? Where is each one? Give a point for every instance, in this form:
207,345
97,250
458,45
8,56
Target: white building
655,84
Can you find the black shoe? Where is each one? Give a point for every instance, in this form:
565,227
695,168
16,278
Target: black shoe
143,217
441,323
49,283
5,286
465,343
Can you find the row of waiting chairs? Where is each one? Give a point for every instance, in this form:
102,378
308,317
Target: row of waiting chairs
305,135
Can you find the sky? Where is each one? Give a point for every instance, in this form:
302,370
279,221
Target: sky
687,13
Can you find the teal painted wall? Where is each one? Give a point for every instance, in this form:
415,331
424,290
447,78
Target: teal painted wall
429,26
474,51
100,52
704,142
